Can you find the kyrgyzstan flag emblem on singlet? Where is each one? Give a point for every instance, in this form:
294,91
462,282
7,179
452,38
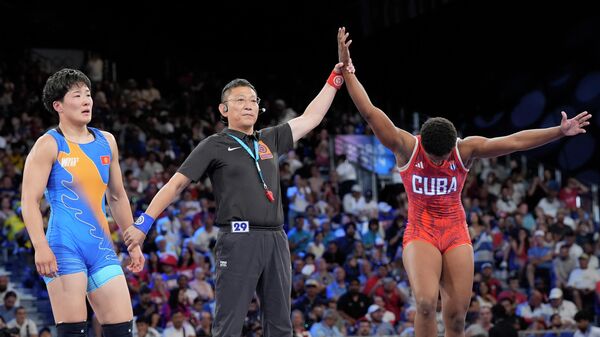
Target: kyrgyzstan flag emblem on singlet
105,160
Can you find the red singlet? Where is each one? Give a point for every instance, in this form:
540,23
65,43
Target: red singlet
435,211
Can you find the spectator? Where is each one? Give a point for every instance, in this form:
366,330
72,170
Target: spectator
354,201
562,266
326,328
143,328
502,326
338,287
204,329
316,246
183,285
513,292
540,258
487,276
322,274
533,309
201,286
299,196
380,328
557,328
45,332
505,204
27,327
483,325
569,236
346,174
311,297
582,282
353,304
178,302
8,310
146,307
298,237
393,298
569,194
179,326
550,203
364,327
485,298
407,328
564,308
5,287
206,236
298,324
347,241
388,316
584,326
372,234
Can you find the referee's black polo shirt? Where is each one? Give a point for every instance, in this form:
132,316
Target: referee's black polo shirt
237,187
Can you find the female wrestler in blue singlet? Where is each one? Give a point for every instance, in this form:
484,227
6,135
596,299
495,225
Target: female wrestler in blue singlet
77,168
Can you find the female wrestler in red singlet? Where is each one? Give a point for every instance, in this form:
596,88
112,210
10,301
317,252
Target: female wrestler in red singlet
437,254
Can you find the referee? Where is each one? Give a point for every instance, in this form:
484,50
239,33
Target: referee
252,253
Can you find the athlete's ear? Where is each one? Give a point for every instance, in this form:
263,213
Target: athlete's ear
57,105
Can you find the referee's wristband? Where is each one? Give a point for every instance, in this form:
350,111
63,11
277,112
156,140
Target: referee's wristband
335,80
144,222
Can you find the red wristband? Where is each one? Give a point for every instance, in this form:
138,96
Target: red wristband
335,80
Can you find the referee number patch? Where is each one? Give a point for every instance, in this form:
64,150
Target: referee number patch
240,227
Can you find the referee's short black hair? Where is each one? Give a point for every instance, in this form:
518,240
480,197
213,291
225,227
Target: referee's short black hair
60,83
438,136
238,82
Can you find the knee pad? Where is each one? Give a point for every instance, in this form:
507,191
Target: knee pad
123,329
78,329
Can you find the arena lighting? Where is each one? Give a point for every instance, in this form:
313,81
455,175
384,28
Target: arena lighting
577,151
588,88
482,123
529,109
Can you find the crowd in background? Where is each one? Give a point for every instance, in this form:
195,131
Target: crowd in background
535,243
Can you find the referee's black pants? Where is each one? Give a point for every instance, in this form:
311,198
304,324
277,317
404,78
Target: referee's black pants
247,262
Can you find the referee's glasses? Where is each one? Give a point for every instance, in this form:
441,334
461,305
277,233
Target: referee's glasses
242,101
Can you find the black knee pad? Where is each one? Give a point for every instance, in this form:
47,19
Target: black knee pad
78,329
118,329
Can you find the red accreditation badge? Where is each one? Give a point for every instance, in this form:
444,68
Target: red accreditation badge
105,160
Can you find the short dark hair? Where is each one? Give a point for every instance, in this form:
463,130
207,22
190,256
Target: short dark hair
438,136
498,312
238,82
143,319
583,315
353,279
60,83
10,293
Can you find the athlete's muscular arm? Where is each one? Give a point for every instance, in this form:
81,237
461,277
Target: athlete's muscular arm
161,200
119,202
315,111
480,147
115,194
395,139
35,178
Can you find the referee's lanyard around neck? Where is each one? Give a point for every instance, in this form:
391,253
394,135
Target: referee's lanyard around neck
255,156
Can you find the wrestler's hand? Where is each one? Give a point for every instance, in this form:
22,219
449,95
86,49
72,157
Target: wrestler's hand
343,49
137,259
575,125
133,237
45,261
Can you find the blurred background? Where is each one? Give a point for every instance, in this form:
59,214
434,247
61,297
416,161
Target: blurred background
158,67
